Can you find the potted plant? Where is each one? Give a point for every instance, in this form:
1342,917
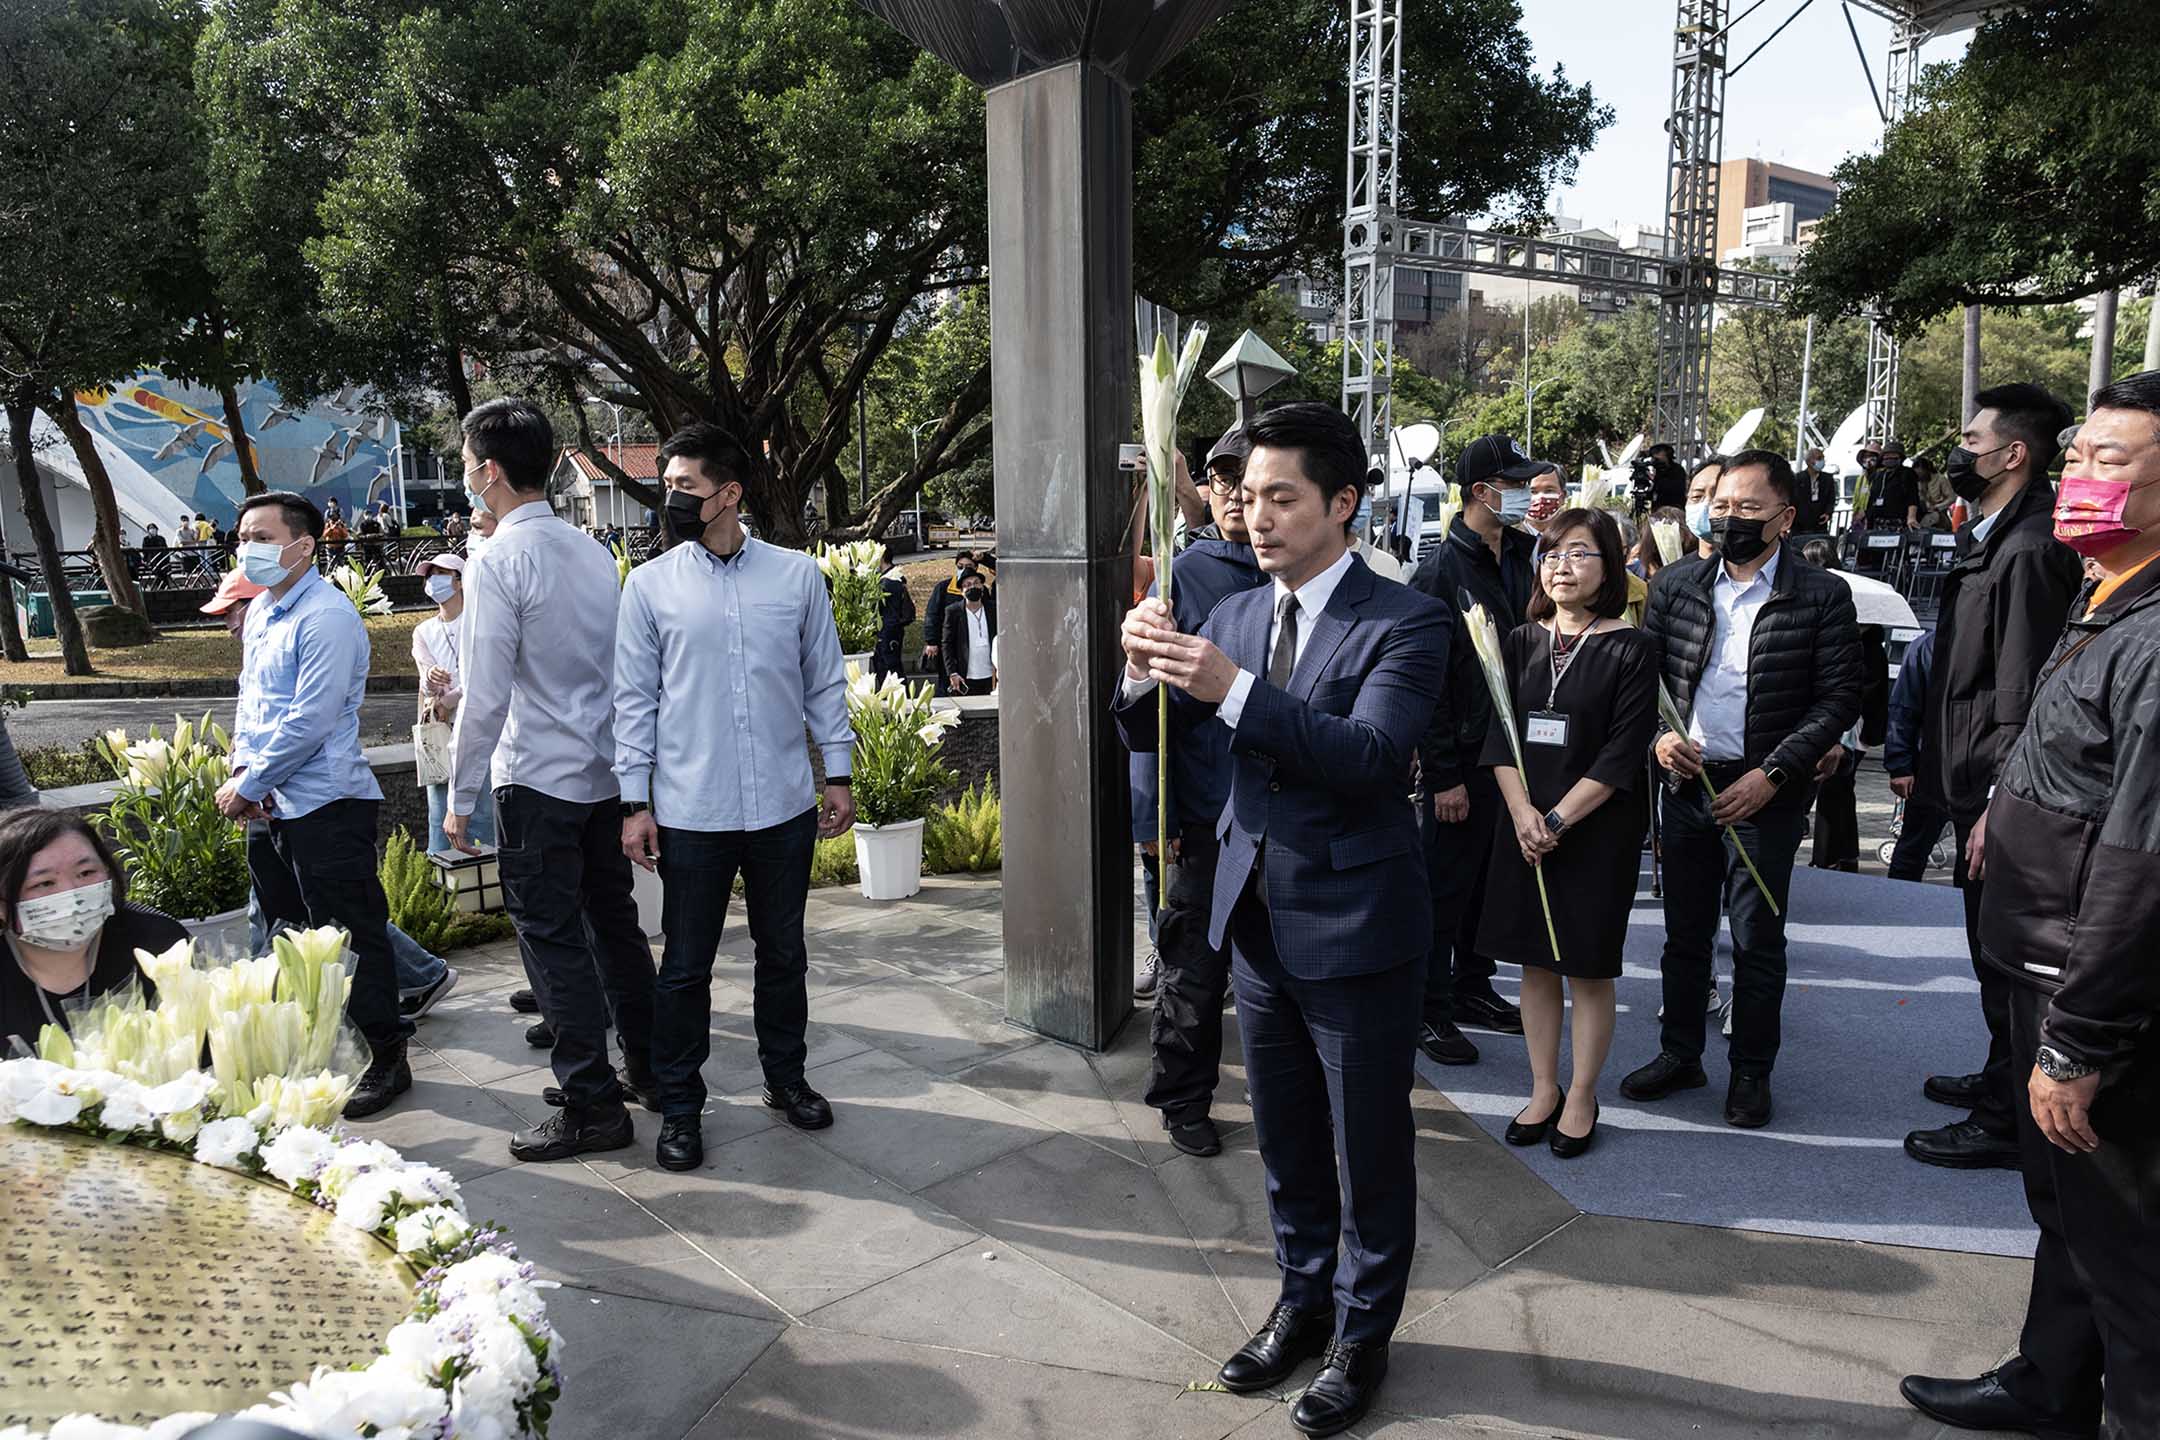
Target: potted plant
182,856
858,600
897,779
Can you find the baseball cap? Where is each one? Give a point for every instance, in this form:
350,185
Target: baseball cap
231,591
1491,457
1232,446
450,562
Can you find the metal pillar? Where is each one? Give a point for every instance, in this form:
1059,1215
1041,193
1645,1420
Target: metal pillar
1062,367
1369,220
1695,147
1807,368
2103,342
1906,38
1970,401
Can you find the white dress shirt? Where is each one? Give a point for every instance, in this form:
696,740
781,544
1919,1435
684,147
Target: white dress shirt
539,664
979,662
1719,721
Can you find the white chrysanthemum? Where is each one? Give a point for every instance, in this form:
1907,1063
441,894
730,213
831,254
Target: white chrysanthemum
502,1347
226,1143
436,1228
181,1125
353,1157
483,1406
127,1108
490,1285
365,1201
291,1154
423,1347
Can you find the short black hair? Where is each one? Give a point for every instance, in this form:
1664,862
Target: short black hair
1661,445
2029,413
1779,468
1820,552
965,557
26,832
299,513
1708,462
515,434
987,560
2133,392
712,446
1327,444
1612,594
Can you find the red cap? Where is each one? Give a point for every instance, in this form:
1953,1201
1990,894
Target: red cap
235,588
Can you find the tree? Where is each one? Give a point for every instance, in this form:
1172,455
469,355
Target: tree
1756,358
92,148
2028,173
709,210
2036,343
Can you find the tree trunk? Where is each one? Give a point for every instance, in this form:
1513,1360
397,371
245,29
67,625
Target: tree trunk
2103,343
108,543
243,448
74,654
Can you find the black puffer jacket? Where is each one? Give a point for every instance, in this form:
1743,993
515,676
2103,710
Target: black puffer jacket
2072,901
1464,564
1804,672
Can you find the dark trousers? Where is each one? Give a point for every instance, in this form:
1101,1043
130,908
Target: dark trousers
1186,1033
2093,1320
885,657
2003,1088
566,883
1456,858
1923,826
698,869
320,869
1837,823
1704,877
1328,1063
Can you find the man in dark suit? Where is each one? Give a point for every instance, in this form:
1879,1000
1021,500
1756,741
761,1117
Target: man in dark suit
964,645
896,611
1326,679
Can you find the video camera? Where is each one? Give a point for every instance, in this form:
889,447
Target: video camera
1642,485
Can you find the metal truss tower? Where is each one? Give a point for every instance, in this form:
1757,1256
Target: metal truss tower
1693,153
1369,219
1906,37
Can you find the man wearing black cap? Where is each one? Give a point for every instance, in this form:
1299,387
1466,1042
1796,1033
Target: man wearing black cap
1893,492
1488,559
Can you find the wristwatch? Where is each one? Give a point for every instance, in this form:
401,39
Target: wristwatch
2058,1066
843,781
634,807
1555,824
1776,775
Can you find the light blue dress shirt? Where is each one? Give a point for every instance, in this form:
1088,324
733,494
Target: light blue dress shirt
296,729
1719,721
718,664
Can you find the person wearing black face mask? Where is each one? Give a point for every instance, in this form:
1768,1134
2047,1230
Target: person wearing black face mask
964,648
2004,605
1761,651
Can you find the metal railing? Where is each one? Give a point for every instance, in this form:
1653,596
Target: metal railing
195,567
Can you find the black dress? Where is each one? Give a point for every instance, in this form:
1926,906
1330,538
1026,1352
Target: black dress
130,928
1608,692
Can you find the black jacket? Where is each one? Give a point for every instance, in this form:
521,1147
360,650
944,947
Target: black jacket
2072,901
2003,606
1804,668
1815,496
1893,494
1209,571
896,611
953,648
1464,562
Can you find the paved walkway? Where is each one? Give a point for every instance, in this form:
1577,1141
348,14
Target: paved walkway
995,1240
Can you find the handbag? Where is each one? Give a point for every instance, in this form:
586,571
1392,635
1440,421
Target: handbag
431,750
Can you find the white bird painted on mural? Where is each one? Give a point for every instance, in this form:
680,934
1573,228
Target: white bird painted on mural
345,398
184,438
352,443
326,459
278,415
219,451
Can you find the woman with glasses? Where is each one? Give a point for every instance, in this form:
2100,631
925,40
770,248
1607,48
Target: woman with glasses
1584,688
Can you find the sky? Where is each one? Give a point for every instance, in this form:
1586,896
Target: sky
1803,101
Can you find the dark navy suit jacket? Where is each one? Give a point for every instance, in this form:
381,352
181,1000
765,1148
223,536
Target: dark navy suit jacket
1319,772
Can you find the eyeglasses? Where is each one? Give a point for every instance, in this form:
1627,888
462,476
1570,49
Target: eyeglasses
1575,555
1746,509
1223,480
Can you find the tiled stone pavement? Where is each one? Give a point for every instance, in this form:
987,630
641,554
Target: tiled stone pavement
994,1240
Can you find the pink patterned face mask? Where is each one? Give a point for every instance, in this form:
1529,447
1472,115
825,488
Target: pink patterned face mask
2089,514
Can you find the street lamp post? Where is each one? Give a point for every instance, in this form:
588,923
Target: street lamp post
922,539
1528,411
614,451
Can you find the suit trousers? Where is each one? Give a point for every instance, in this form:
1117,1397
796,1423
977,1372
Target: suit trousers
1704,878
2002,1083
320,869
566,884
1186,1033
2092,1324
1456,858
1328,1063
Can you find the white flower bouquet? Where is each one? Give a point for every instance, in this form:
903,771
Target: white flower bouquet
362,585
1162,390
181,855
858,600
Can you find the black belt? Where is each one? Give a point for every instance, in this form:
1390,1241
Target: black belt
1724,772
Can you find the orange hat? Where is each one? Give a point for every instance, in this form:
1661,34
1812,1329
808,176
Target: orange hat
235,588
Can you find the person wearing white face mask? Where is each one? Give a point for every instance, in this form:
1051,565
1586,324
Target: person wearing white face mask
71,933
436,647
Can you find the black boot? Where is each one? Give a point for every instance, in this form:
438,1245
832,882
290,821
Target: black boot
571,1131
386,1078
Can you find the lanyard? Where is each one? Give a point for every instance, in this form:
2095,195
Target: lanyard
1561,667
45,1000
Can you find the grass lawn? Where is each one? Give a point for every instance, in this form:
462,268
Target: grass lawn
203,654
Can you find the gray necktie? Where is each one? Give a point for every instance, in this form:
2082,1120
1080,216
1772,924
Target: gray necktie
1284,660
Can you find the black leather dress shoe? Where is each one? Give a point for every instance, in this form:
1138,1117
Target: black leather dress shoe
1663,1076
804,1108
1983,1404
1287,1339
1747,1100
1959,1092
1446,1045
1566,1146
569,1132
1519,1134
540,1036
1195,1137
1963,1145
524,1002
682,1143
1343,1391
1486,1009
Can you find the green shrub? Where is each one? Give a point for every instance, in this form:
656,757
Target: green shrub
965,836
833,862
481,929
52,766
420,904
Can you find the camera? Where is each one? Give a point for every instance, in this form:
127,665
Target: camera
1642,485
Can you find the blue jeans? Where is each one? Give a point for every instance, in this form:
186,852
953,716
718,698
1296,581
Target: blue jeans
482,829
416,968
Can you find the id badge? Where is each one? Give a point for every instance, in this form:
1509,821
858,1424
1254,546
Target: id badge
1547,727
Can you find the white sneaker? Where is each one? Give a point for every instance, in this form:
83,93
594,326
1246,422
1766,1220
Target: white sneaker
1147,975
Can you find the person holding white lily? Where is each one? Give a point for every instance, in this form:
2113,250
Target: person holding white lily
1583,685
725,648
71,933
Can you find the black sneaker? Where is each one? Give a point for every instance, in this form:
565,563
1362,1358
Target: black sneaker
413,1004
1446,1045
1488,1011
540,1036
524,1002
804,1108
386,1078
567,1133
1195,1137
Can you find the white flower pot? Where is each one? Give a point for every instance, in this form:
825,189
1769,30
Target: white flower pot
859,657
220,937
889,859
